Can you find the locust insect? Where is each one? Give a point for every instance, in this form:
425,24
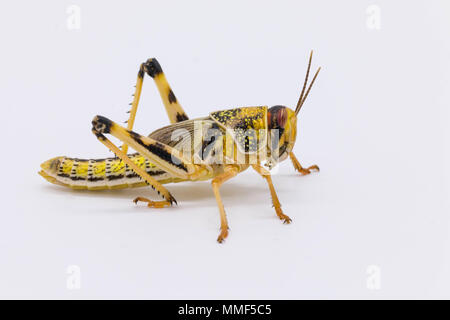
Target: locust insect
218,147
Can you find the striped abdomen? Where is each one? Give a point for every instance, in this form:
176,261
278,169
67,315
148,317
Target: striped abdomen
98,174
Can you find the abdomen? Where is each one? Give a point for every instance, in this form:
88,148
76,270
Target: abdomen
99,174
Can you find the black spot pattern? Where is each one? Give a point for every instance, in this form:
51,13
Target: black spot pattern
159,150
181,117
152,67
171,97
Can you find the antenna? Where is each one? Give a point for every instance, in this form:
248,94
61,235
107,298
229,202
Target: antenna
302,98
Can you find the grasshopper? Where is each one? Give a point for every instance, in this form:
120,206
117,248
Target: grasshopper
218,147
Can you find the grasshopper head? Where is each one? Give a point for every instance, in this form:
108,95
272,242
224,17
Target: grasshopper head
282,125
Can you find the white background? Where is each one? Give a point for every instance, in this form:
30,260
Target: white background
376,122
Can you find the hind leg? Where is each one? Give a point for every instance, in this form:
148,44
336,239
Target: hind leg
168,198
173,108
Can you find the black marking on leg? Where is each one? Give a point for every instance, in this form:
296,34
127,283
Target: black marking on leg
141,71
158,150
181,117
101,124
98,135
152,67
171,97
135,135
171,199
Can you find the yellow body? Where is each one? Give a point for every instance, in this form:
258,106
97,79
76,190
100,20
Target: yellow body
244,137
113,173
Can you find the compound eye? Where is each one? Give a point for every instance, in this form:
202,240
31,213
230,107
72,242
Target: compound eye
281,117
